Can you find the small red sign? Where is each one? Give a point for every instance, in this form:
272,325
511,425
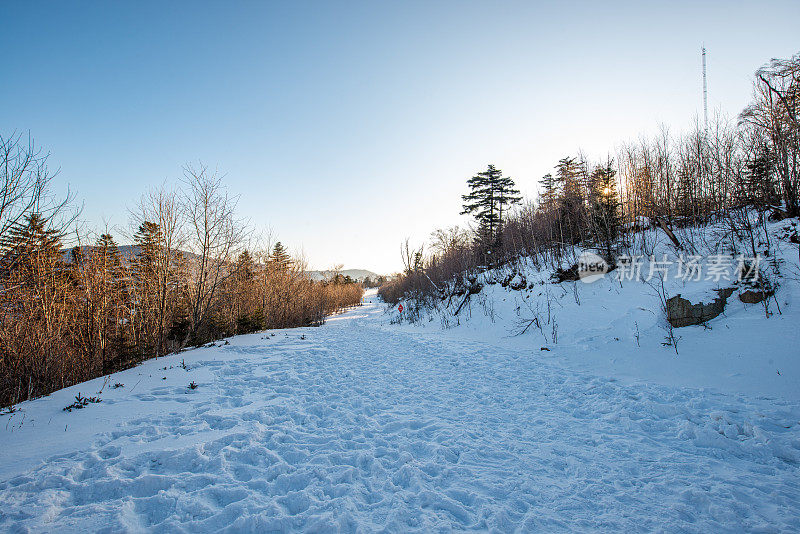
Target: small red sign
400,308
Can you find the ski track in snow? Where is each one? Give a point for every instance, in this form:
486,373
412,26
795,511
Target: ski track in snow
363,427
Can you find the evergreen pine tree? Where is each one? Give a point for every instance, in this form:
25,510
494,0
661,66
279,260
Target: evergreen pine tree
36,301
118,345
245,266
491,194
100,277
568,176
30,236
549,192
279,259
418,261
246,313
759,182
148,239
145,285
605,207
108,251
570,180
29,246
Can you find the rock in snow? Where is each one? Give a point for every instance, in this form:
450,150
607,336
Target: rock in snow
681,312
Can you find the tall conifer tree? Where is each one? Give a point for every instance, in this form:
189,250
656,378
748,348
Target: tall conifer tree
490,197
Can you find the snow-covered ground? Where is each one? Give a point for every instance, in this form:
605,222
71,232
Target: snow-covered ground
362,425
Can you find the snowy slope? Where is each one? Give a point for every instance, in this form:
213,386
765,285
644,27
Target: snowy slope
617,328
361,425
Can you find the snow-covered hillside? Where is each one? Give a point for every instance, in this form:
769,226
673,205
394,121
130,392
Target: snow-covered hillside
618,328
364,425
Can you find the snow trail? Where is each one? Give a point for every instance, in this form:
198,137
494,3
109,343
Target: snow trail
361,426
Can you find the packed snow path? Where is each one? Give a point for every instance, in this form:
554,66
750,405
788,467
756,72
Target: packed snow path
364,426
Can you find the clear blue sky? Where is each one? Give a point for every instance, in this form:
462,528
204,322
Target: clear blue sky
348,126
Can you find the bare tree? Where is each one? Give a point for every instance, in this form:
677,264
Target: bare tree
25,186
775,112
24,179
161,207
214,239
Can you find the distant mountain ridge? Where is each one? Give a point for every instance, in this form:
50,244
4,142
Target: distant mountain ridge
355,274
128,252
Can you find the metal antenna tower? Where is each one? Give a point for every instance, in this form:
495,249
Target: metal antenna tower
705,93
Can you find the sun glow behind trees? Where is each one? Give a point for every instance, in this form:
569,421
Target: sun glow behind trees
683,180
